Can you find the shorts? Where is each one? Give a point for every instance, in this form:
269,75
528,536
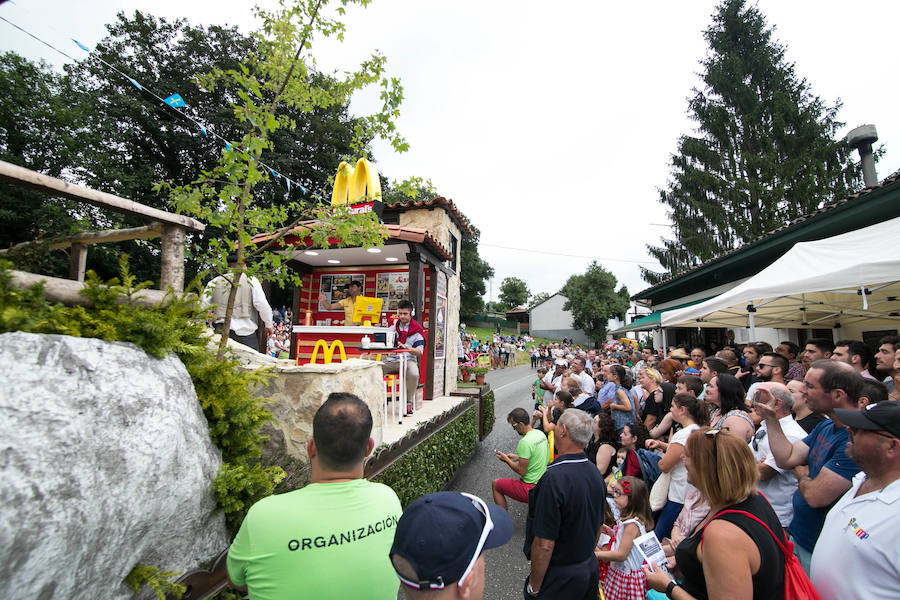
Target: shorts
515,489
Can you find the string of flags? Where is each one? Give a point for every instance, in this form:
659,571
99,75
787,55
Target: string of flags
173,101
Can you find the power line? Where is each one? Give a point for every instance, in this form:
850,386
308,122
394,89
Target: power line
545,252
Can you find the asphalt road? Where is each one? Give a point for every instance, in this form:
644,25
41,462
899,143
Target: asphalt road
505,567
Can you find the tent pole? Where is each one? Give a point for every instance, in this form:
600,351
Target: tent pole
752,327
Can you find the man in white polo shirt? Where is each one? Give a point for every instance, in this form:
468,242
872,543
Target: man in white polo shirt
857,554
776,484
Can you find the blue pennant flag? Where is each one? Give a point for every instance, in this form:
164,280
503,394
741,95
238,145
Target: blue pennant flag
302,189
135,83
274,174
80,45
175,100
227,147
203,129
288,181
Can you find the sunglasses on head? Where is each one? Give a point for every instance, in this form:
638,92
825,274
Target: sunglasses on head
438,583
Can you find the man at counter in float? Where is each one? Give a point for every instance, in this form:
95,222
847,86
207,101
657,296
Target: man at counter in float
354,288
409,335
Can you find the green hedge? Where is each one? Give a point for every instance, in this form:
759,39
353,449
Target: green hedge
487,413
430,465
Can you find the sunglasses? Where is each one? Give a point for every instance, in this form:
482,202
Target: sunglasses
438,584
713,433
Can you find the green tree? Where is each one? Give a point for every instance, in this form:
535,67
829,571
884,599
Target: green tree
593,300
764,151
513,292
279,74
413,189
538,298
136,141
473,272
39,130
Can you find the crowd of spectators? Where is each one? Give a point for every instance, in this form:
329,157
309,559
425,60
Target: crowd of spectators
749,467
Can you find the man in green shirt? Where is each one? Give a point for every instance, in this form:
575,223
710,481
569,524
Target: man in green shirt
303,544
529,462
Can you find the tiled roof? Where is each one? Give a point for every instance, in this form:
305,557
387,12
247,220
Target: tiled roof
770,234
394,232
461,220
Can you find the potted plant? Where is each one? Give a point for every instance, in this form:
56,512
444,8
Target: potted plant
479,372
465,370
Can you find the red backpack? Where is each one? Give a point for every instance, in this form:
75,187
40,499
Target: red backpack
797,585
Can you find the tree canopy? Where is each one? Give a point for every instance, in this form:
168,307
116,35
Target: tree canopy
473,272
764,151
593,300
538,298
513,292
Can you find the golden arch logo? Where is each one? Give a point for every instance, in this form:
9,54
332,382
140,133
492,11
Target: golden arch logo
355,184
327,351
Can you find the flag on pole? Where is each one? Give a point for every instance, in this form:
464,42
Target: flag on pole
135,84
175,100
203,129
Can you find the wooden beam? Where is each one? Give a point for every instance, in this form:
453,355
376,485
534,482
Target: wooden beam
17,175
67,291
93,237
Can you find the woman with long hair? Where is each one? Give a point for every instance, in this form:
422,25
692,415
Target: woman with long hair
727,394
728,555
691,414
621,405
601,450
651,406
633,437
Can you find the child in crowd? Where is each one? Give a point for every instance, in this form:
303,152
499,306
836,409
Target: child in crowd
625,579
537,394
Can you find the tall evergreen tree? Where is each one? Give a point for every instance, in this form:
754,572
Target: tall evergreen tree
765,149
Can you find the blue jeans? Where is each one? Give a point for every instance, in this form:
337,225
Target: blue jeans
803,555
667,519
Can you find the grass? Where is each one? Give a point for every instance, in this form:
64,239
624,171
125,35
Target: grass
484,333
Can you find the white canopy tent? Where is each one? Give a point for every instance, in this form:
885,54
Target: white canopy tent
843,280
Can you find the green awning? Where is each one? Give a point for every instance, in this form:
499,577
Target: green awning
652,321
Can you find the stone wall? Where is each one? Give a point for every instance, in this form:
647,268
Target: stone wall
107,462
296,392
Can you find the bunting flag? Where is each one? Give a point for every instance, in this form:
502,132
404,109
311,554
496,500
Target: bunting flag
175,100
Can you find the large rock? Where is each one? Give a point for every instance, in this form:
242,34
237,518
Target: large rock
106,462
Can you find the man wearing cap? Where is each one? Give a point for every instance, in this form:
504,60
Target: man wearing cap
353,289
858,552
249,296
565,514
439,545
529,462
302,543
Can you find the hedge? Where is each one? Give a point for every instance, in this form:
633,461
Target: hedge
487,413
430,465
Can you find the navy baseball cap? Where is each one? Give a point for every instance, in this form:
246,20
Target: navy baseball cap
884,416
441,535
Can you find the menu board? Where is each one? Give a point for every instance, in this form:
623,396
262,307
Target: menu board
392,288
333,286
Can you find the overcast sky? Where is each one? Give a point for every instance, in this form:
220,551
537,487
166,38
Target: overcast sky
549,124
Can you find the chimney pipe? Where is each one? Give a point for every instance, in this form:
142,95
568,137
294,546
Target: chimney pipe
862,139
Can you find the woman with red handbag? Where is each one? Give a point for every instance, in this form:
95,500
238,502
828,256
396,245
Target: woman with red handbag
739,551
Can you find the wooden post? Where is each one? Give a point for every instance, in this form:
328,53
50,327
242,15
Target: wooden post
77,262
171,272
416,281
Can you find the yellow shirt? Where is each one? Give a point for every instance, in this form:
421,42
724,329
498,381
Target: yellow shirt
348,304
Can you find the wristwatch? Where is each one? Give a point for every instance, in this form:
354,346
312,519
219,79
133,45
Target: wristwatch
671,588
530,591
